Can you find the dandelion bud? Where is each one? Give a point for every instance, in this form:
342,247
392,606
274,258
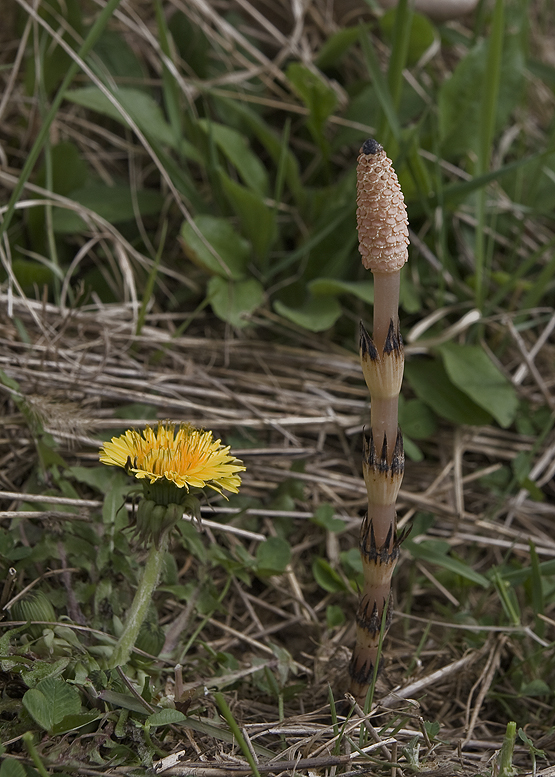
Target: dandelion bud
383,228
34,606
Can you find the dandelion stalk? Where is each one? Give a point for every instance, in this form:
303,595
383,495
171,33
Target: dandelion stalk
173,466
383,240
141,602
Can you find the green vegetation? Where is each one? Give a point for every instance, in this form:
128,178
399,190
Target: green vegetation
177,240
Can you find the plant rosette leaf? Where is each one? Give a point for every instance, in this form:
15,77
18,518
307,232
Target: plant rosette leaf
257,220
223,251
460,113
51,701
472,371
12,768
431,384
272,556
141,108
165,717
363,290
324,516
430,552
327,578
316,315
235,301
236,148
317,95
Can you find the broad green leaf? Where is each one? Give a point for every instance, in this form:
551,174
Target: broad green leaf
30,273
429,552
324,516
364,290
257,220
422,34
230,254
416,419
351,561
115,204
118,58
472,371
141,107
235,301
317,95
12,768
459,107
272,556
165,718
333,49
271,141
124,700
431,384
191,42
316,315
41,669
326,577
335,616
235,147
536,687
74,722
51,701
69,170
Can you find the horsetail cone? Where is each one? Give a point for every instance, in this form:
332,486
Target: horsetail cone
383,240
383,227
383,232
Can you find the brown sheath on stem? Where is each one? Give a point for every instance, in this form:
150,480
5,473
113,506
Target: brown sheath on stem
383,237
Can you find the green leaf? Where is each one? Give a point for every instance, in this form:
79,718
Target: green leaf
257,220
234,302
334,48
422,34
459,108
124,700
191,42
233,250
416,419
141,107
431,384
326,577
51,701
271,141
317,95
316,315
113,203
236,148
12,768
536,688
335,616
324,516
472,371
363,290
74,722
118,58
165,718
428,551
272,556
69,171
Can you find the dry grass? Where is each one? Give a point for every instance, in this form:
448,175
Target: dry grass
283,396
304,400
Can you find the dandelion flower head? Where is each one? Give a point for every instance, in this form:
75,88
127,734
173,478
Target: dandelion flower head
187,457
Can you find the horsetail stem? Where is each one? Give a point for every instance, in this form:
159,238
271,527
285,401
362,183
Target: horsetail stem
383,239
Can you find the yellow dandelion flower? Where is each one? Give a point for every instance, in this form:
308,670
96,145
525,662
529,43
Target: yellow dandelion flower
187,457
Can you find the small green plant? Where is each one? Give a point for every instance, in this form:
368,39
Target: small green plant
174,466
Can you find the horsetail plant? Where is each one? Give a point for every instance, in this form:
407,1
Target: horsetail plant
383,239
